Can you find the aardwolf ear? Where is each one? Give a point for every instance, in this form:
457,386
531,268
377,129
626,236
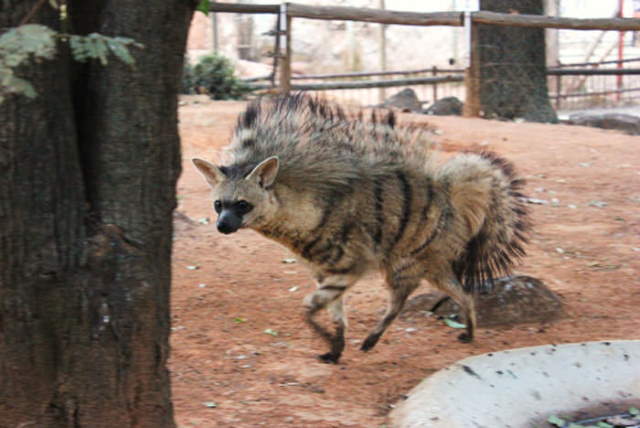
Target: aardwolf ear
209,171
266,171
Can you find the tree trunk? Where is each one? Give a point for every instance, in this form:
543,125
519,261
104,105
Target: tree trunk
512,65
87,189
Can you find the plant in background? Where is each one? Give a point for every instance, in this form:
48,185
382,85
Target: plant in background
37,42
213,75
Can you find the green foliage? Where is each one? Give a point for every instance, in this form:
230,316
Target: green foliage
203,6
97,46
38,42
16,47
213,75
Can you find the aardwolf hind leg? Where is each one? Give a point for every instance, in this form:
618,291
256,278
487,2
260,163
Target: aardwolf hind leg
454,289
400,290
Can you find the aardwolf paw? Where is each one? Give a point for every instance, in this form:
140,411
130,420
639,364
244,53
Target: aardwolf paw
329,358
369,343
465,338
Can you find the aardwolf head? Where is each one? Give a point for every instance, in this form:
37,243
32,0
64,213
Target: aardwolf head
242,196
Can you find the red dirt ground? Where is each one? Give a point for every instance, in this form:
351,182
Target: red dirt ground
222,356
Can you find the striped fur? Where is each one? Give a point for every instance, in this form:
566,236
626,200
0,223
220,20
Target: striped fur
349,195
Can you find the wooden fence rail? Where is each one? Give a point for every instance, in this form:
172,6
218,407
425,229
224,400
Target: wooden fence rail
368,83
555,71
456,19
432,70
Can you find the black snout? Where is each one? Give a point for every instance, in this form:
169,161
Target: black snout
228,222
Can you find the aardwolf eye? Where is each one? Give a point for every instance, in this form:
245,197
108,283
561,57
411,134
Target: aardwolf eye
243,207
217,205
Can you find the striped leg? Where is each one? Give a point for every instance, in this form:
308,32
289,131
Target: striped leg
455,290
400,288
329,295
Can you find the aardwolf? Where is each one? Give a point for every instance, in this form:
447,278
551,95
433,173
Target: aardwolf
350,195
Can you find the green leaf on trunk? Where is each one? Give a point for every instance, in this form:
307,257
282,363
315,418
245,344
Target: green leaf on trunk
203,7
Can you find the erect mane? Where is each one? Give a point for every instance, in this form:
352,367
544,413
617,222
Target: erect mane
320,146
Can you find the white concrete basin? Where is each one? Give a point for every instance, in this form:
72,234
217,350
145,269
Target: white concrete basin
521,388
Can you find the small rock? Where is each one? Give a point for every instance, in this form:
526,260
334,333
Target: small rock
572,206
406,100
289,260
599,204
536,201
511,300
447,106
627,123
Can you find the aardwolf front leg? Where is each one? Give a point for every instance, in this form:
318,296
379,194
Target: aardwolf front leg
329,295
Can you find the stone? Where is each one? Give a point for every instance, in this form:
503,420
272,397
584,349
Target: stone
627,123
511,300
405,100
448,106
521,388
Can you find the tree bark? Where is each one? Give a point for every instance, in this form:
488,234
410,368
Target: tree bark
512,66
87,189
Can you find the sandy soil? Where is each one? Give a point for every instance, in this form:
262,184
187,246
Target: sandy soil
229,290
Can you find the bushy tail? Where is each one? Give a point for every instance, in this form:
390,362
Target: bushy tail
501,231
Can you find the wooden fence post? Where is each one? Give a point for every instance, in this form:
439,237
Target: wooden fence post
434,71
382,36
472,70
285,67
558,91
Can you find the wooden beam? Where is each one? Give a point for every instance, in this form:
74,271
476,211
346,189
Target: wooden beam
243,8
472,104
376,73
285,65
541,21
366,84
342,13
